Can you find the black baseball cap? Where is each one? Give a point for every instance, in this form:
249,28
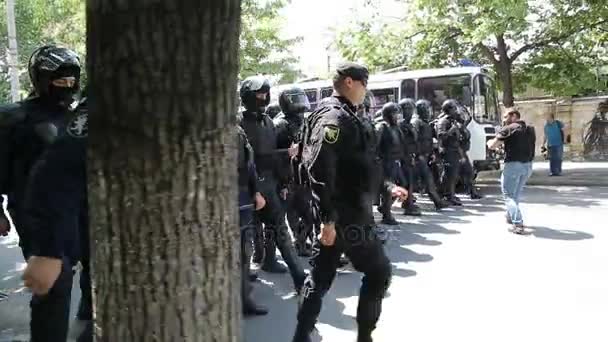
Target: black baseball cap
355,71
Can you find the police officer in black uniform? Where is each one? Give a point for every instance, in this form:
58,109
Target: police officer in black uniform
250,199
467,173
56,215
273,110
294,103
410,149
390,150
449,137
261,132
335,144
29,126
420,122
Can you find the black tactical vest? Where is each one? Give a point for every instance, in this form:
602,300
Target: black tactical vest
27,129
263,139
425,136
452,142
465,138
392,140
410,139
289,129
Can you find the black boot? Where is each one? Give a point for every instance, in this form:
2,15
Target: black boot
301,336
441,204
453,200
253,276
475,195
343,261
250,308
271,265
364,338
390,221
303,249
412,210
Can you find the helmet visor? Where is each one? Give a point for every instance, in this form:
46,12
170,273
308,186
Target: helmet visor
256,84
298,101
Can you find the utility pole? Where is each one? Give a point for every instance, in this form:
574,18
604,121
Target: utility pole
13,56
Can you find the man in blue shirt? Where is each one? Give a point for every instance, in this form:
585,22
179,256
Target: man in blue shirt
554,144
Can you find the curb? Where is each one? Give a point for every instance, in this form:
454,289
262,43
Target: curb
493,177
537,182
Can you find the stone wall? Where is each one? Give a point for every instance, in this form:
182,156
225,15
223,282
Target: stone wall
574,113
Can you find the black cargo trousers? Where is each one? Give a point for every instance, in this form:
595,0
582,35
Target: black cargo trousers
276,233
365,250
300,214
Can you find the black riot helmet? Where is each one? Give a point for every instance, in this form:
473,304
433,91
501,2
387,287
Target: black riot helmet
408,107
249,88
273,110
378,116
391,113
364,109
450,108
423,109
463,115
294,101
49,63
367,101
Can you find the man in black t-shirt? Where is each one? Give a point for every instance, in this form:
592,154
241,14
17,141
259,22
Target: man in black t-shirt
519,142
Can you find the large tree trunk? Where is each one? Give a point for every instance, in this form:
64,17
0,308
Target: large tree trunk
12,54
506,78
504,68
162,172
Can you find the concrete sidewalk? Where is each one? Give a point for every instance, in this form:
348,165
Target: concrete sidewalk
574,174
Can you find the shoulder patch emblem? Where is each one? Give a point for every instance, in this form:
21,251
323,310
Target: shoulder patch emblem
331,134
79,126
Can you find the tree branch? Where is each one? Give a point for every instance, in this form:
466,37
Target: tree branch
415,34
488,53
555,39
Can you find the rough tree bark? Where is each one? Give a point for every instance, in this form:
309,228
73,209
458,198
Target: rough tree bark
505,71
161,169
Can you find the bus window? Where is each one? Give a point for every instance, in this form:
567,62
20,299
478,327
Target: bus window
438,89
326,92
486,104
382,96
312,98
408,89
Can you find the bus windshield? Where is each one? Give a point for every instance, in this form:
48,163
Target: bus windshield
438,89
486,104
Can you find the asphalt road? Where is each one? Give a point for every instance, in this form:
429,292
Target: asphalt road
459,275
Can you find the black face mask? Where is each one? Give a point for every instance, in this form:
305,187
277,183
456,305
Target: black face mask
260,105
424,115
62,95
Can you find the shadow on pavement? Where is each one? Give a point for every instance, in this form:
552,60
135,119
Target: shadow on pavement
555,234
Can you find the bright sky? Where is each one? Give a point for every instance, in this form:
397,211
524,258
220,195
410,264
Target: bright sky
314,20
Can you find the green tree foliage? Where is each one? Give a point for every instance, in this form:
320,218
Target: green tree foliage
553,45
379,46
41,22
263,50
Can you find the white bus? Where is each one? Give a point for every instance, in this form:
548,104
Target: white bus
473,87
